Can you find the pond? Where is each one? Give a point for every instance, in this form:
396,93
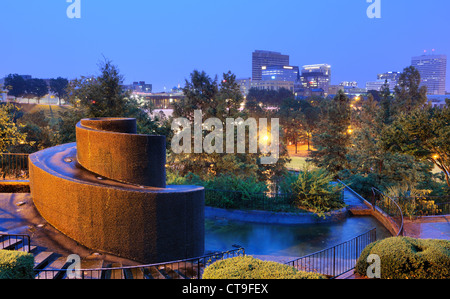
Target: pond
286,240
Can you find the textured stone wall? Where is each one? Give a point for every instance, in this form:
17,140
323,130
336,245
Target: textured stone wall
120,154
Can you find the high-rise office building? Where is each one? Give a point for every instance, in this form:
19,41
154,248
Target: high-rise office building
433,71
281,73
266,58
389,78
316,76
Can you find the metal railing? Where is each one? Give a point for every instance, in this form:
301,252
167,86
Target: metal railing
336,260
15,242
14,166
182,269
389,207
426,205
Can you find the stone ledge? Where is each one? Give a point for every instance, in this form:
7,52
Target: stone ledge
274,217
13,186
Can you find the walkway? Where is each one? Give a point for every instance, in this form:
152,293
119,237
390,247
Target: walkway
431,227
354,204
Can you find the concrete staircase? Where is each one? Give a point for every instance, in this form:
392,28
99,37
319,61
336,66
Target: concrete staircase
355,205
50,265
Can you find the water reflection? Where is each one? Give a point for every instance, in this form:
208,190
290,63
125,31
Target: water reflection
285,240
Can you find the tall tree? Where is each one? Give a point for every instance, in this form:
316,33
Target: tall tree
15,85
102,96
424,134
218,101
292,121
409,95
10,133
59,87
200,93
371,161
333,137
36,88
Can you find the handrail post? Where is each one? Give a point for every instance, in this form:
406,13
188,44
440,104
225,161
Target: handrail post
334,261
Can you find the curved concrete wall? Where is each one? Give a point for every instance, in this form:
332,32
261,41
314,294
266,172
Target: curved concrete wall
108,192
147,225
110,148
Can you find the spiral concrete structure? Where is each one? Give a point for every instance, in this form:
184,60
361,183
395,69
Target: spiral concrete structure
107,191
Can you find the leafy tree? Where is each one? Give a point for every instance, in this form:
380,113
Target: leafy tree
292,120
36,88
10,134
269,97
102,96
200,93
311,117
15,85
333,137
220,101
58,86
313,190
424,134
409,95
370,163
39,133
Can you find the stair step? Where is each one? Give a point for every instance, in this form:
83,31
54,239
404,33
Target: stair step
155,273
112,273
50,271
134,273
173,274
42,259
164,272
10,243
86,265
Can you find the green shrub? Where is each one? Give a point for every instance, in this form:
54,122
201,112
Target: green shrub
248,267
314,191
408,258
16,265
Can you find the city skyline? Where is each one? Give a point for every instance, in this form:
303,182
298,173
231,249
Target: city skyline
162,43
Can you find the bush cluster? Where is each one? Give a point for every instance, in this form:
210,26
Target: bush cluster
16,265
314,191
408,258
248,267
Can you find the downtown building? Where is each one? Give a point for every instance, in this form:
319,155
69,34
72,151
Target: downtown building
266,59
316,76
433,72
389,78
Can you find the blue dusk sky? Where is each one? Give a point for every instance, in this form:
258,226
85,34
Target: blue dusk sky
162,42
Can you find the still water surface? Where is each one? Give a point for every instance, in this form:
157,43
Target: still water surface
286,240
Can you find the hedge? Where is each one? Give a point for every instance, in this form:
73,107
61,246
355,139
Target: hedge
16,265
248,267
408,258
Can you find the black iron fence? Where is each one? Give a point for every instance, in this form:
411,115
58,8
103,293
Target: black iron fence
14,166
15,242
336,260
425,205
183,269
390,208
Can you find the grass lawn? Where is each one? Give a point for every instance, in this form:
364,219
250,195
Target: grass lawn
51,111
297,163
